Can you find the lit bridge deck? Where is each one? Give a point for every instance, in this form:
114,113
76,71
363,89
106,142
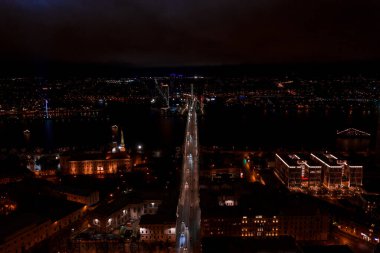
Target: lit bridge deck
188,210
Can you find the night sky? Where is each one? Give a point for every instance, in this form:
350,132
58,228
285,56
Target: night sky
189,32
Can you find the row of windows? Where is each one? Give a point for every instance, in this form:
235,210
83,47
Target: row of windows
157,232
304,235
156,237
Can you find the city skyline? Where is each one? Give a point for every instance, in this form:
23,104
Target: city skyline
189,163
135,126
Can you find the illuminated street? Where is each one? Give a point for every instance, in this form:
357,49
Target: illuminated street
357,245
188,211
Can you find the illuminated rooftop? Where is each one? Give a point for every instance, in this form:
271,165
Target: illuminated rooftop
327,159
352,132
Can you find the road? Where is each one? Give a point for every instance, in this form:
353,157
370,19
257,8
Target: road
357,245
188,210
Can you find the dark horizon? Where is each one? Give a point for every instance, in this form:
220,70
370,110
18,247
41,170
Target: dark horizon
65,69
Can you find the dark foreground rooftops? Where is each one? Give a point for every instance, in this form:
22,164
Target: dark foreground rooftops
74,190
327,249
15,222
283,244
159,218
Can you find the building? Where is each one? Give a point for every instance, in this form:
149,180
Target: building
227,222
13,174
288,169
297,170
158,228
110,216
262,213
314,170
281,244
353,140
68,215
326,249
337,172
95,163
161,226
333,169
220,174
82,196
20,232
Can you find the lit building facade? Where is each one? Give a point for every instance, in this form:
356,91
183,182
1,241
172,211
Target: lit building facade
355,176
28,230
217,174
156,229
302,228
288,170
108,217
311,171
338,172
88,199
95,164
298,171
231,173
26,237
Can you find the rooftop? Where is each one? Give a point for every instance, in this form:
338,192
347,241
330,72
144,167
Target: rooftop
327,158
74,190
108,208
289,159
97,156
295,159
35,196
159,218
352,132
16,221
11,167
327,249
53,207
308,159
258,200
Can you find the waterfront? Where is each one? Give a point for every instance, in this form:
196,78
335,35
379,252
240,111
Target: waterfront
227,128
231,127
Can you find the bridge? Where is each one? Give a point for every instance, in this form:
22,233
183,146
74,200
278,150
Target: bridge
188,210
